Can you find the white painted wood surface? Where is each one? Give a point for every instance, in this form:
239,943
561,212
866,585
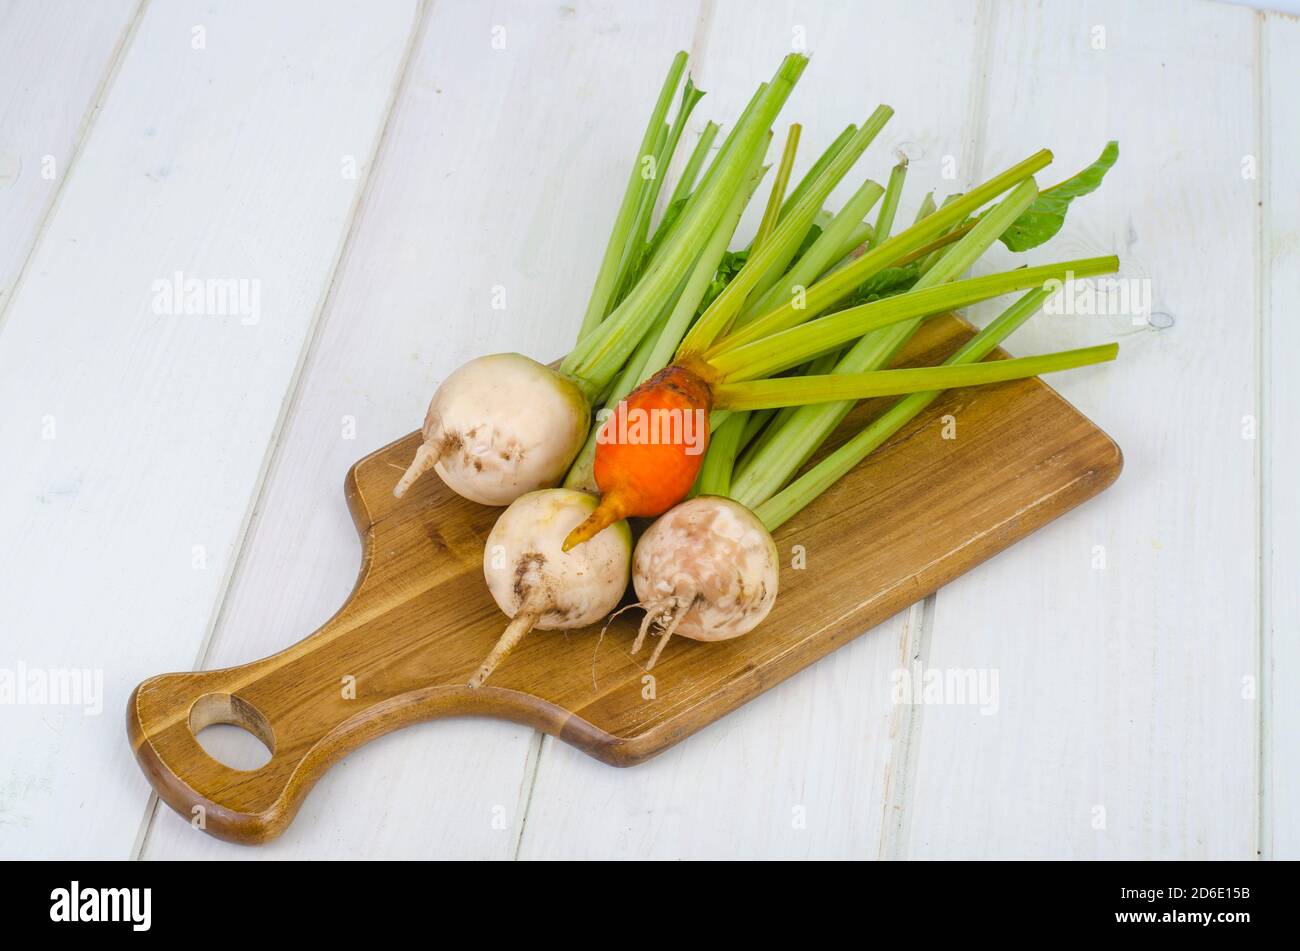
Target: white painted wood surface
383,169
223,161
55,58
1122,729
1279,516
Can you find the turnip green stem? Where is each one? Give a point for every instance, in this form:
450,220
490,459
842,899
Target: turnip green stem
601,354
771,259
928,259
808,427
818,167
802,391
683,192
809,209
966,253
838,284
667,232
822,365
729,143
715,473
607,276
691,172
859,237
791,347
690,99
754,425
875,350
784,505
630,261
660,346
638,248
927,208
724,153
770,214
938,244
685,185
825,251
701,276
889,207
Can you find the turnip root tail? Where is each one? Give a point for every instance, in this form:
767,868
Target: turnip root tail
667,633
605,627
653,610
609,511
426,457
515,631
672,608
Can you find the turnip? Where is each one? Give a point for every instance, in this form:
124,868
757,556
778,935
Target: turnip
500,426
540,586
706,570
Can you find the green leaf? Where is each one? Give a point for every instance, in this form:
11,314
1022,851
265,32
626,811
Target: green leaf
1046,215
729,267
811,237
886,283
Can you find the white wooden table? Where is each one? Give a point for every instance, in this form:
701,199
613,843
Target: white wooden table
379,173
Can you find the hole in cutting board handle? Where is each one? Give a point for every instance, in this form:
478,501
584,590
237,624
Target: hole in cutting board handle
235,747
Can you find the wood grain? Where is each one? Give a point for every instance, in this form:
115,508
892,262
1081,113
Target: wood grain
420,618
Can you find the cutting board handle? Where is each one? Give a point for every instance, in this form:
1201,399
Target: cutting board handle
164,737
298,703
301,715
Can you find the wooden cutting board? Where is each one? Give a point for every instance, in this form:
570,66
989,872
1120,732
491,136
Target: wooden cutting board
920,512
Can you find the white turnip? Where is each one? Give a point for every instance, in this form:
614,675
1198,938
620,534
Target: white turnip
706,569
500,426
536,583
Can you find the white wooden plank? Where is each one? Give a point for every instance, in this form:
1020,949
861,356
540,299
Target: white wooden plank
1124,724
502,167
807,769
1280,436
53,59
135,439
798,772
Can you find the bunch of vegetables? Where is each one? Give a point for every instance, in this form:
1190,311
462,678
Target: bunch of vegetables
743,361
